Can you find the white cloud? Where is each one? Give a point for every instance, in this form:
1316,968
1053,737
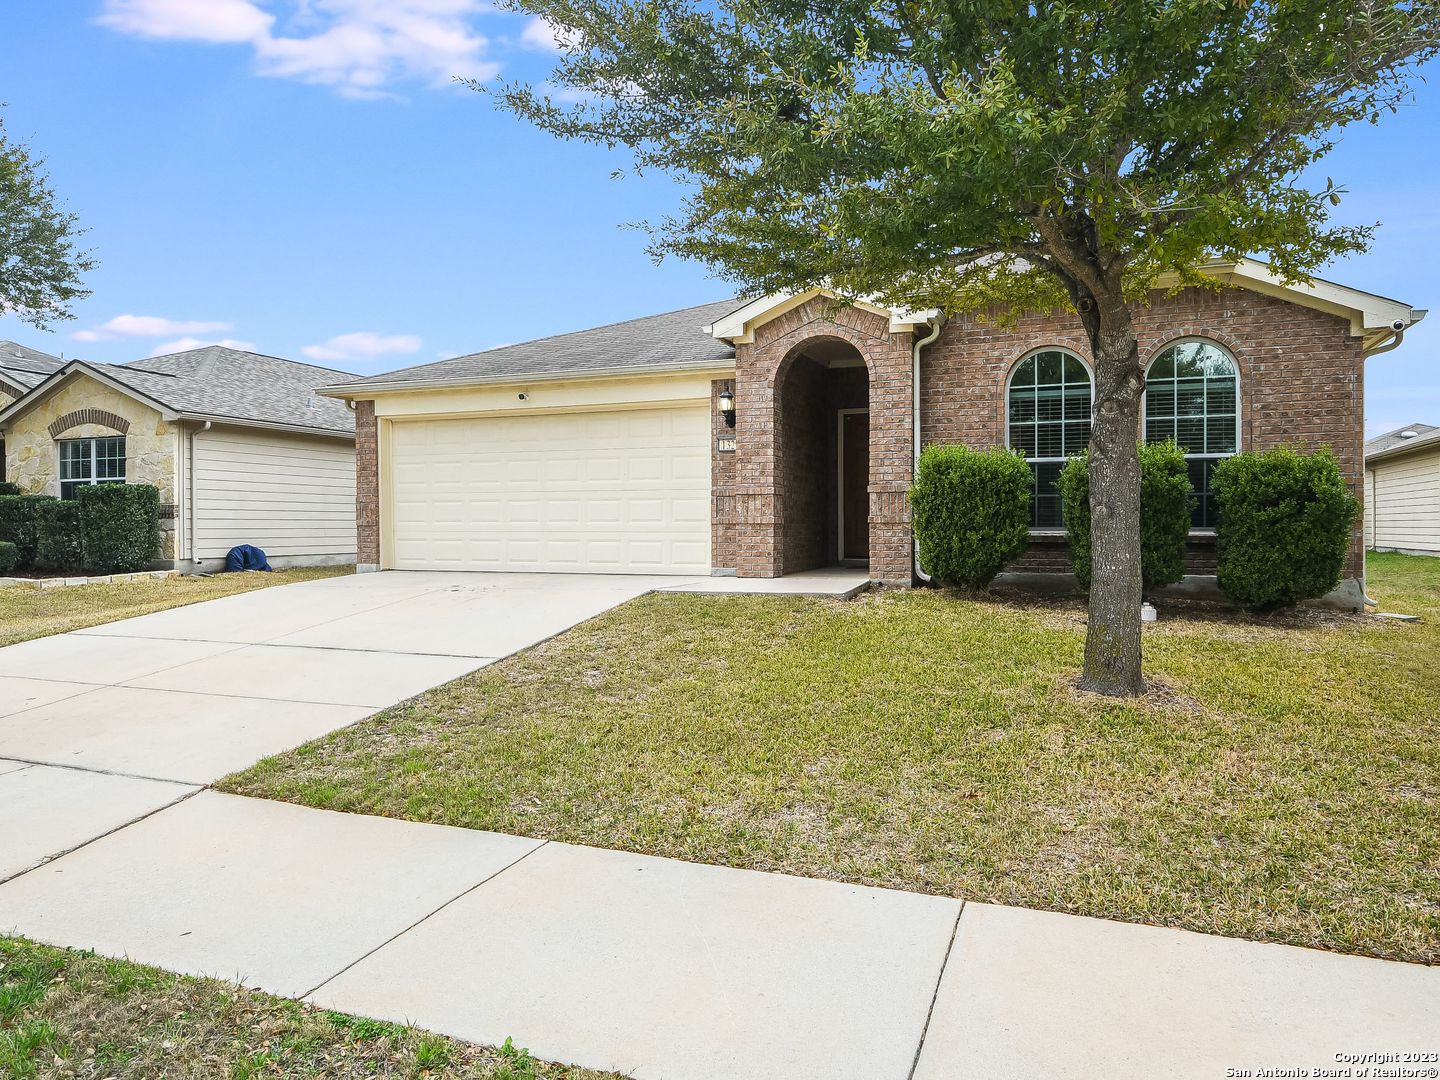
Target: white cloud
359,47
541,33
192,20
362,345
185,344
122,326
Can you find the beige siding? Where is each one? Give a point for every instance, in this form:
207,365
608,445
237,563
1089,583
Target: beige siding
291,495
1402,500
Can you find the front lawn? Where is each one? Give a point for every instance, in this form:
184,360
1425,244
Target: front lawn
71,1014
27,613
1282,782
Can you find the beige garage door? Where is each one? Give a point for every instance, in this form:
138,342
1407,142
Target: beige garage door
593,492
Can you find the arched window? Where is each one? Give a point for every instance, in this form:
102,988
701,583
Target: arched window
1192,395
1049,409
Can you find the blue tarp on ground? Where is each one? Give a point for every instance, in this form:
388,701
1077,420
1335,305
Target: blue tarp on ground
245,557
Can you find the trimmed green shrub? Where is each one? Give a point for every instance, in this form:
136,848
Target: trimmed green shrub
20,525
120,526
1283,526
59,544
1166,500
9,556
971,511
10,489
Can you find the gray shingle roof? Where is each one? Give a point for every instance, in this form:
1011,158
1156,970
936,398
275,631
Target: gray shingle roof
25,367
220,382
228,384
670,340
1393,438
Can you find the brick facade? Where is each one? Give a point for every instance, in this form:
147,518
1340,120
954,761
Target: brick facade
773,498
774,508
1301,382
367,487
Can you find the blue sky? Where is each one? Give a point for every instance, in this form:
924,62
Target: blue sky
304,178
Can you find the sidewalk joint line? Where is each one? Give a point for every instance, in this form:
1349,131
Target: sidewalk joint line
401,933
930,1012
109,832
105,772
275,643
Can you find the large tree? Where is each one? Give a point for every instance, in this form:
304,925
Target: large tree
964,154
40,266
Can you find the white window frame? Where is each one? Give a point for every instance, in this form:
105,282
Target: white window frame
1049,530
1239,404
94,461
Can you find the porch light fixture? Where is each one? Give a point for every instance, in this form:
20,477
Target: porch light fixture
727,406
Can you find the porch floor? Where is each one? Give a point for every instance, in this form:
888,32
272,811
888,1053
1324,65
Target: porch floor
840,582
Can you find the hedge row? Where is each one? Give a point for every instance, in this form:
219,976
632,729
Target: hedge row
1283,519
107,528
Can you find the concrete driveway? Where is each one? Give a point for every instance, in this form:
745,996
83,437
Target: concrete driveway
106,725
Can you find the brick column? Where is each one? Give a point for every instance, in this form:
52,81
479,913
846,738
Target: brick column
367,488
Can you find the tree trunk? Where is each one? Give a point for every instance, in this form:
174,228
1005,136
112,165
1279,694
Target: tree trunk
1112,641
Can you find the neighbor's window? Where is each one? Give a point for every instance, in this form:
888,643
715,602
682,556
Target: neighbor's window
91,461
1049,410
1192,396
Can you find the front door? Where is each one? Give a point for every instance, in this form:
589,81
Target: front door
854,485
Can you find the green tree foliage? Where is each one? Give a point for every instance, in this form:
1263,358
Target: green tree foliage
40,267
1166,499
971,512
963,155
1284,524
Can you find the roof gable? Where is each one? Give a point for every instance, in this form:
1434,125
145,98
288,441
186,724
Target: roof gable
1377,319
214,383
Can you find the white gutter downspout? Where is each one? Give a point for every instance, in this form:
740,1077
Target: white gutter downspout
190,510
920,343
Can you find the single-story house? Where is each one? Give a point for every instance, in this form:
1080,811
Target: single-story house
242,448
777,435
1402,490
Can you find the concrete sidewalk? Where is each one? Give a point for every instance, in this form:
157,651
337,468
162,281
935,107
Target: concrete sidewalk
671,970
664,969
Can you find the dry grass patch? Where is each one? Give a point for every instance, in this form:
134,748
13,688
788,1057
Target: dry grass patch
1280,782
33,613
70,1014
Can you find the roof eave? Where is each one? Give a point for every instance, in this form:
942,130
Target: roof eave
365,390
268,425
79,367
1429,441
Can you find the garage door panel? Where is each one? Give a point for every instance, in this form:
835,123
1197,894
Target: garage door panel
622,492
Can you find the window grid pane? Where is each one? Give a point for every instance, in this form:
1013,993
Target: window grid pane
1050,410
91,461
1192,396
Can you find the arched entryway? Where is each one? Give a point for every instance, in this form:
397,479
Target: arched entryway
822,456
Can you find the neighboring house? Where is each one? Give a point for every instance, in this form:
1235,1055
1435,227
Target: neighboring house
20,369
613,450
1402,491
241,447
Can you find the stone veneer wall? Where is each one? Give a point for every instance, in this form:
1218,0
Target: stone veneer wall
32,459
